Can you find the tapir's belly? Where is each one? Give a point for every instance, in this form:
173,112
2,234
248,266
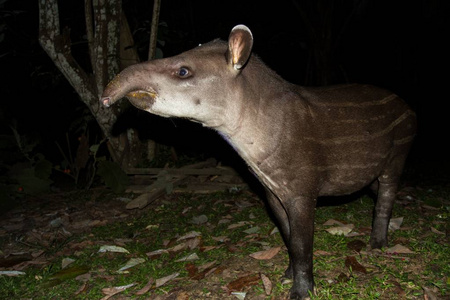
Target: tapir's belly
343,183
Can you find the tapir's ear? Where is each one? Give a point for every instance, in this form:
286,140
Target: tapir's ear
240,44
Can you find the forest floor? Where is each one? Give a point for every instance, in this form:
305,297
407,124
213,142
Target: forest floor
79,244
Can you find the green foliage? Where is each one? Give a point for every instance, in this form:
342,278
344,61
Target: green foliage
31,175
113,176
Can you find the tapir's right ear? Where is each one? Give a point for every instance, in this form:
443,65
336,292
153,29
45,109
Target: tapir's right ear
240,44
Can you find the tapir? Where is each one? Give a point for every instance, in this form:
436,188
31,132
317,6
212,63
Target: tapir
300,142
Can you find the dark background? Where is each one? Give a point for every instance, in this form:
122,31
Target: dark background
399,45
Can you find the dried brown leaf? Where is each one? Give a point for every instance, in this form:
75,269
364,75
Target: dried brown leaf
266,254
399,249
109,292
333,222
164,280
322,252
146,288
81,289
351,262
428,294
267,283
242,282
192,269
341,230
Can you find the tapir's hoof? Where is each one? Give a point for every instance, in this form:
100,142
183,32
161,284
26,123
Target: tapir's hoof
298,296
378,244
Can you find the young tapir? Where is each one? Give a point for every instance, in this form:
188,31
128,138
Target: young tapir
300,142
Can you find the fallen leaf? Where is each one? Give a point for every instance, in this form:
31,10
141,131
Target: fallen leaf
321,252
190,257
81,289
109,292
192,270
221,239
189,235
340,230
238,224
161,281
202,271
199,220
109,248
207,265
66,261
333,222
265,254
152,226
266,283
193,243
208,248
398,290
395,223
131,263
252,230
157,253
354,265
399,249
241,283
434,230
428,294
84,277
178,248
140,202
12,273
239,295
356,245
274,230
36,254
146,288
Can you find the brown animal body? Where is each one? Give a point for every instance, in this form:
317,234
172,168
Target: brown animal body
300,142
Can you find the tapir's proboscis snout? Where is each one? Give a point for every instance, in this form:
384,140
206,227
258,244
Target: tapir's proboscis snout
302,143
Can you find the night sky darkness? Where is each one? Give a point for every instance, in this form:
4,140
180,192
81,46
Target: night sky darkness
399,45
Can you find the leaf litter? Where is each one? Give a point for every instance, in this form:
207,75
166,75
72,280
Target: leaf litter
211,275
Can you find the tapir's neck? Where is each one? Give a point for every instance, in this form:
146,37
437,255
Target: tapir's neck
257,117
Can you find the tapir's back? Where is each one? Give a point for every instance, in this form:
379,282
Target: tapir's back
358,112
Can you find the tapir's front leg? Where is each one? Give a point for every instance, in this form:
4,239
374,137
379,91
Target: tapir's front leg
282,222
300,211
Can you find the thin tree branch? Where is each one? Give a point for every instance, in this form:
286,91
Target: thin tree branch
154,30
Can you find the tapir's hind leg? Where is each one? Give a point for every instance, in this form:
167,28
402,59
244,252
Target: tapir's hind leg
386,194
382,214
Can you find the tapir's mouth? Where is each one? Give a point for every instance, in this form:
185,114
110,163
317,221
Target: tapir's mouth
141,94
142,99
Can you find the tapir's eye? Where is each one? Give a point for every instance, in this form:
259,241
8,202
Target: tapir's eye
183,72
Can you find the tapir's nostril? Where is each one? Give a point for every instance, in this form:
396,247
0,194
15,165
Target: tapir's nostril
105,101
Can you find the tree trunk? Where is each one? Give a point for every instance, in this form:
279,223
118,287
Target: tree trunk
108,35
